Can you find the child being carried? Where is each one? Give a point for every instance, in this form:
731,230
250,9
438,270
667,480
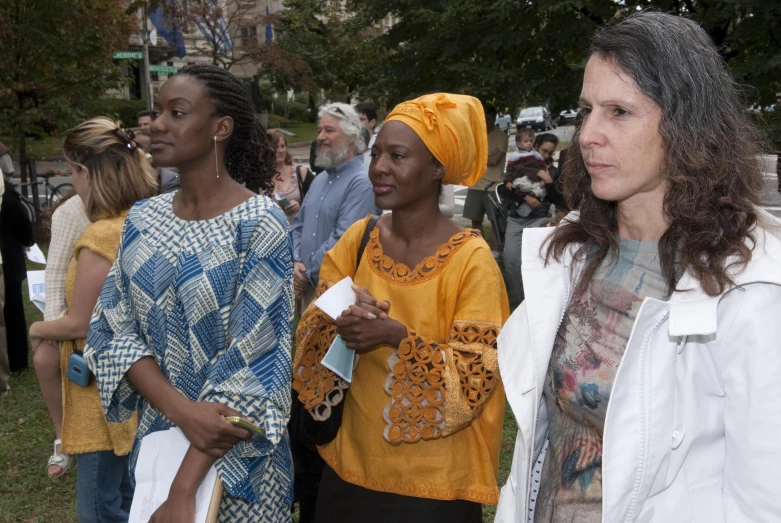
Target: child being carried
526,172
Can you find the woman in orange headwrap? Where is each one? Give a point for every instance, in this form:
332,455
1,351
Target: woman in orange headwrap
415,436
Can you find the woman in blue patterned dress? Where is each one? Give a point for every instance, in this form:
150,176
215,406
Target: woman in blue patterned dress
194,322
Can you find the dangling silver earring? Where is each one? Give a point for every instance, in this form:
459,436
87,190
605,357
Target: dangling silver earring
216,163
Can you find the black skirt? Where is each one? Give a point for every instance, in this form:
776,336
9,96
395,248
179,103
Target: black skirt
341,502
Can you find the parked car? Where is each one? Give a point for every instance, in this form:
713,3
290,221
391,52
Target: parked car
504,121
537,118
568,116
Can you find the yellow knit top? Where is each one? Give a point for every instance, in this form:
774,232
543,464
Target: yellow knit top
425,419
84,427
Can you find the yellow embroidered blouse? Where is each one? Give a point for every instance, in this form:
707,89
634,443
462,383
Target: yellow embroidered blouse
84,427
424,420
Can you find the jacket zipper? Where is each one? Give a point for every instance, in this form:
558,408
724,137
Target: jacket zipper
644,429
531,456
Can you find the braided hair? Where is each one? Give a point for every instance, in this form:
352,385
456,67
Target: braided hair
249,157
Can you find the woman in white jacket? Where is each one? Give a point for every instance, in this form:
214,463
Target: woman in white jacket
642,367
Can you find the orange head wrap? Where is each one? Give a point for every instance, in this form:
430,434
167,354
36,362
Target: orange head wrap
453,128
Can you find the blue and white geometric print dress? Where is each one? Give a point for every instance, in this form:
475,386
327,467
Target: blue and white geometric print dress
212,302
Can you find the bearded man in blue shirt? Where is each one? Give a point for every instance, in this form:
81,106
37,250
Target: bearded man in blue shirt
338,197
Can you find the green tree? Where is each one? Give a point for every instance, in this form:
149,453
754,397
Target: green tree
55,57
518,51
342,52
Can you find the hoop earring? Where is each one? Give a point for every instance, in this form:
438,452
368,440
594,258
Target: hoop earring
216,163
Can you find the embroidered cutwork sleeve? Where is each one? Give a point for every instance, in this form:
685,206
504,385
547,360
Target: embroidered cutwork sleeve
318,388
437,389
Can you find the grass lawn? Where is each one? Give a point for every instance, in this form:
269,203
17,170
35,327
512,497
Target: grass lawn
26,437
305,132
27,495
48,146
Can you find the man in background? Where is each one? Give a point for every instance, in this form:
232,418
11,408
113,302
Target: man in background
368,114
476,197
144,120
338,197
169,180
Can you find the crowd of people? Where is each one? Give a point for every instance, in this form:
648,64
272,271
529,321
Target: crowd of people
638,347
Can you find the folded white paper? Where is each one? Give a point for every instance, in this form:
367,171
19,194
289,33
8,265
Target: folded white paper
337,299
36,287
35,254
159,460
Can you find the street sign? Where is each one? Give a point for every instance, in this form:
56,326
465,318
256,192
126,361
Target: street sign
127,55
163,69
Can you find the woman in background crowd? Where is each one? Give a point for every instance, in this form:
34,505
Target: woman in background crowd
110,174
68,222
544,146
291,181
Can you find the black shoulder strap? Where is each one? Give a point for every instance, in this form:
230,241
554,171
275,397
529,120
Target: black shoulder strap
300,182
365,240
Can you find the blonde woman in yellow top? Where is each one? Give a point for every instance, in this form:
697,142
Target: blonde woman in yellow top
421,421
110,174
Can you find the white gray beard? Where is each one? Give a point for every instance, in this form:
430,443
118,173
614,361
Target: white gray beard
332,158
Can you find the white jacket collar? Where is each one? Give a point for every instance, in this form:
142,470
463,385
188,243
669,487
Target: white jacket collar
693,312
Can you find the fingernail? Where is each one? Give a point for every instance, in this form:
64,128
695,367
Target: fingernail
372,316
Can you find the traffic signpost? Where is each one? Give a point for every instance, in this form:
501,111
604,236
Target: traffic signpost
163,69
128,55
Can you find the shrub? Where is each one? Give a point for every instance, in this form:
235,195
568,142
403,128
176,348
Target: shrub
115,108
276,121
294,110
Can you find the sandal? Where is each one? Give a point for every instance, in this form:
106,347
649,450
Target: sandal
64,461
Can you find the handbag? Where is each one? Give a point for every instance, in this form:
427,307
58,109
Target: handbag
310,431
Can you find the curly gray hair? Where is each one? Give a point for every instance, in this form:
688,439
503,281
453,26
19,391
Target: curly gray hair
349,121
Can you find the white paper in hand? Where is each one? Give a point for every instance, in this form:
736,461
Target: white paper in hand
37,288
34,254
159,460
338,298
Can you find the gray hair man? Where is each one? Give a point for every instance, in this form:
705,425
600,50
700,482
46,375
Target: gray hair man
338,197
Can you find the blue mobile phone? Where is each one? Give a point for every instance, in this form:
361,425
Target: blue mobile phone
78,371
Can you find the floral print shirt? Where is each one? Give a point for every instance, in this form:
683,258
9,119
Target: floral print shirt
586,353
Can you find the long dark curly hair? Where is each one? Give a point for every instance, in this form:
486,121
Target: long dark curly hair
249,157
711,160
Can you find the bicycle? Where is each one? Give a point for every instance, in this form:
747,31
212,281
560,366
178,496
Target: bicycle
52,194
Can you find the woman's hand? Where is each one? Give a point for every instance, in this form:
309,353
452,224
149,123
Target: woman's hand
178,508
369,303
292,208
533,202
206,428
366,325
363,335
300,283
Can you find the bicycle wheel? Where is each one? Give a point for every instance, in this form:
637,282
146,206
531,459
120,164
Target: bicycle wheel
60,192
